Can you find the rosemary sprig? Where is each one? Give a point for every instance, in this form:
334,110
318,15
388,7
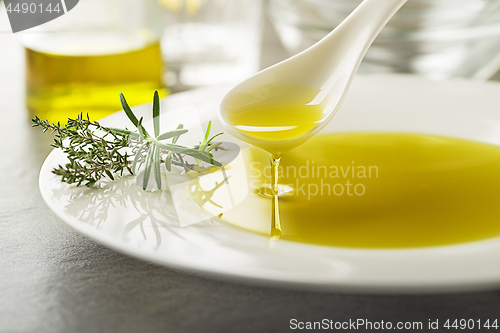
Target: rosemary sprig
95,151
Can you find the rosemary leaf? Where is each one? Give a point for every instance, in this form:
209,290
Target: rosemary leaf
132,116
156,114
175,133
200,155
147,168
157,165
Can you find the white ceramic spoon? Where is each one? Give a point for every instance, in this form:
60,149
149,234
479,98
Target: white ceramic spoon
328,66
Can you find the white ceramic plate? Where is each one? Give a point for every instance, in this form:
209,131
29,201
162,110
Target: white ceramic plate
143,225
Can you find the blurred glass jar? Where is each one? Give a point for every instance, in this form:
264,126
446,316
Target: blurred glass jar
436,38
208,42
81,61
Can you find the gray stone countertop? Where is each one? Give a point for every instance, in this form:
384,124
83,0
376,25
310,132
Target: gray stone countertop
52,279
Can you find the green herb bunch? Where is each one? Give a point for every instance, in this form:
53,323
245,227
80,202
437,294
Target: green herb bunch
95,151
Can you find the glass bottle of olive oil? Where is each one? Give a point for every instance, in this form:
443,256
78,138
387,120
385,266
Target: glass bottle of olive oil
81,61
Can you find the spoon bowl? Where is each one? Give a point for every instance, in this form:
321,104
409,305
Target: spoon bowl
282,106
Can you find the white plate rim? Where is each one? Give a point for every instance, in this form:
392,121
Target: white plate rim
488,250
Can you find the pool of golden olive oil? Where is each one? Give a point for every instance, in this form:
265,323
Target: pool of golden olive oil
378,190
61,86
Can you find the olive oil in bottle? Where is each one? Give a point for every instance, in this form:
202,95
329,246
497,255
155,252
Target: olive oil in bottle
69,76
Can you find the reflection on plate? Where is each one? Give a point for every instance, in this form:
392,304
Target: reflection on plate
145,225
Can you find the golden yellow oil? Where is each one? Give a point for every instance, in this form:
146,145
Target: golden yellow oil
378,190
61,86
277,118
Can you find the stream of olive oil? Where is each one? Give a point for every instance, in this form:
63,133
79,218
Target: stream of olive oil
61,86
378,190
276,118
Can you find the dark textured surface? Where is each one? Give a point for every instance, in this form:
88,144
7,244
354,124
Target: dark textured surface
54,280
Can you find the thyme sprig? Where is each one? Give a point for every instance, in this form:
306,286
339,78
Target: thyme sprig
95,151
